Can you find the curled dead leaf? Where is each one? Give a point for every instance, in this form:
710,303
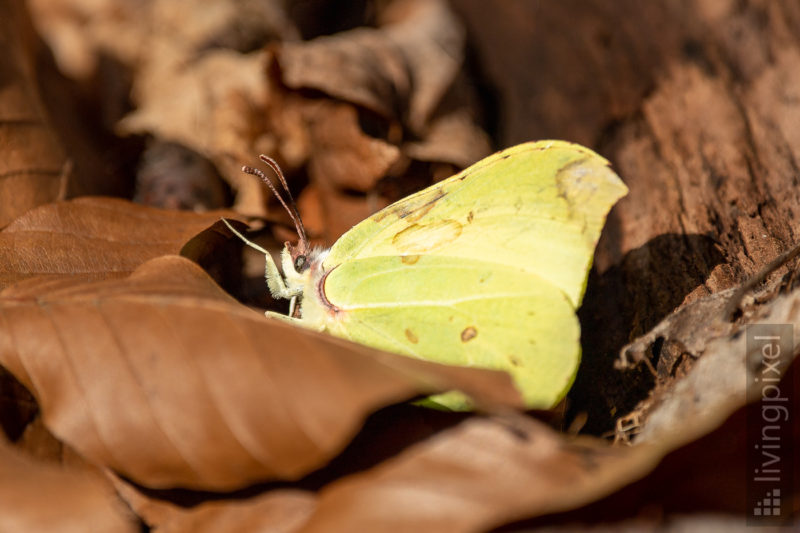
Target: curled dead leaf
277,511
717,383
347,158
166,379
39,496
93,237
33,169
478,475
408,63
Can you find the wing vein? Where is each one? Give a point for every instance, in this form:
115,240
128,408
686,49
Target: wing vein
432,303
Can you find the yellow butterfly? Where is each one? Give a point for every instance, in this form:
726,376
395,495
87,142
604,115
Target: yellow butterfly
483,269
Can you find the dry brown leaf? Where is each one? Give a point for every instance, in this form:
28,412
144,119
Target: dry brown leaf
692,483
344,160
452,138
274,512
487,473
93,237
37,496
166,379
212,106
347,158
401,81
716,385
327,213
81,32
278,511
478,475
431,40
207,106
359,66
33,166
198,80
407,64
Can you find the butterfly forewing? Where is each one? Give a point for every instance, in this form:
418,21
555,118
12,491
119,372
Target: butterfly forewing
537,207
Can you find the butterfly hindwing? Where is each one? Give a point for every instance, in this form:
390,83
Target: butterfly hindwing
461,312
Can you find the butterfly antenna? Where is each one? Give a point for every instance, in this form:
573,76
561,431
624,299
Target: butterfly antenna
291,207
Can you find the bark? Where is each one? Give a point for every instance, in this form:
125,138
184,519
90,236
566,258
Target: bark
697,105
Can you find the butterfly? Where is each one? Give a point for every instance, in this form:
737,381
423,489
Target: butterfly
483,269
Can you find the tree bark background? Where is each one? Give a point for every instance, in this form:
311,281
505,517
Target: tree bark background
697,105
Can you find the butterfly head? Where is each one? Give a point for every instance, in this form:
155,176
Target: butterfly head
298,255
300,262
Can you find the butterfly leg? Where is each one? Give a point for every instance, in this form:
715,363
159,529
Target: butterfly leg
284,318
294,321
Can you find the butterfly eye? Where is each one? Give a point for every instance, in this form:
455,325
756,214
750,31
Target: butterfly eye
300,263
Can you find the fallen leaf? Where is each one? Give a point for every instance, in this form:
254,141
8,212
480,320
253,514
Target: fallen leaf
452,138
347,158
390,94
39,496
478,475
166,379
717,383
199,80
207,105
408,63
274,512
486,473
33,169
93,237
359,66
277,511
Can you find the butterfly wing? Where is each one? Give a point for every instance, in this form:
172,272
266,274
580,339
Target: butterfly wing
462,312
539,207
485,268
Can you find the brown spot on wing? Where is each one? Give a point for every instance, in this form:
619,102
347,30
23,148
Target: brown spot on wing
469,333
411,210
568,167
470,216
409,259
569,182
411,337
414,213
424,238
570,176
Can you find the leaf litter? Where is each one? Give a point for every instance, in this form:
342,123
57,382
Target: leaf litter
139,362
